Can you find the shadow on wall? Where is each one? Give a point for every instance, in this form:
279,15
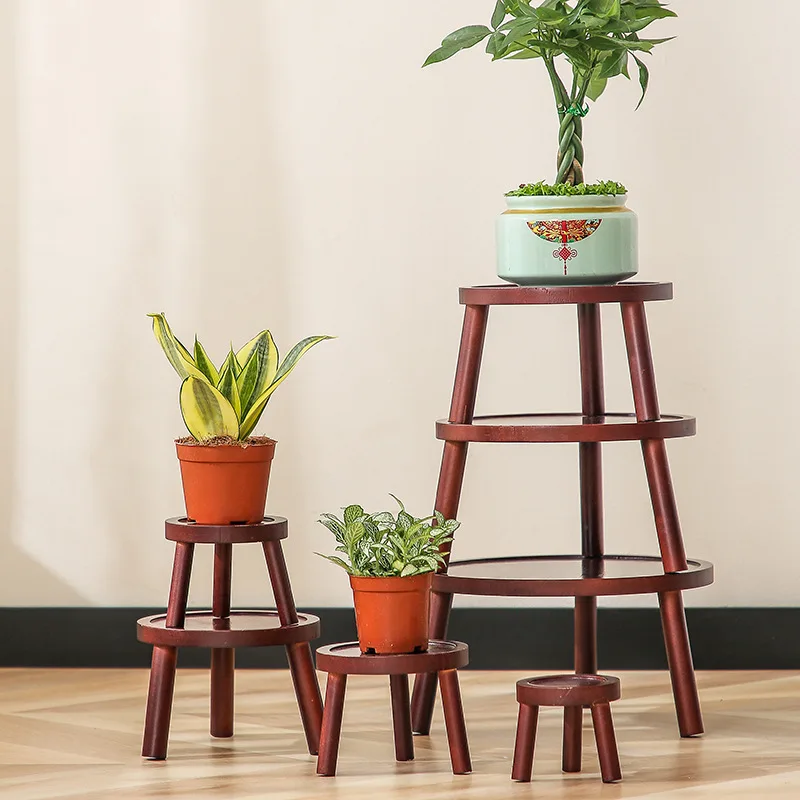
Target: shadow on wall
16,567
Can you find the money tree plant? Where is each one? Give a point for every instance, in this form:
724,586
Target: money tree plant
226,402
597,38
382,545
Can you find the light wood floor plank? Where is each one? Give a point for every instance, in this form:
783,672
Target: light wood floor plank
76,734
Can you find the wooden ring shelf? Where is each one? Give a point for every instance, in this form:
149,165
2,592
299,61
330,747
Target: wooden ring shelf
270,529
347,659
632,292
565,428
240,629
568,690
569,576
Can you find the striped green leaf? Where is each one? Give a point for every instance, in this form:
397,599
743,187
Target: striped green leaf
177,355
259,370
257,407
204,363
206,412
230,390
231,363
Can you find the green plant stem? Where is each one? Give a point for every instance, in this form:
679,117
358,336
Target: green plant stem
570,144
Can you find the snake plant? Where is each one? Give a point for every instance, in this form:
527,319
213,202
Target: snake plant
596,37
381,545
227,401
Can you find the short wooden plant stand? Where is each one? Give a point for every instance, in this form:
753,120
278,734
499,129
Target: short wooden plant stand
591,573
222,630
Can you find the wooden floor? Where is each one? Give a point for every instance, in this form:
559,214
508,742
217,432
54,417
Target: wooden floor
76,734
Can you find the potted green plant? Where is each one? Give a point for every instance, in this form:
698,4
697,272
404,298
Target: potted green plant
570,231
224,467
391,561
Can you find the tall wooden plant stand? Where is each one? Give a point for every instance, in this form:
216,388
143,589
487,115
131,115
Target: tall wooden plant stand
222,630
592,573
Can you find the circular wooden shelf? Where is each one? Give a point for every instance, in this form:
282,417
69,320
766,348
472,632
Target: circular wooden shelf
241,629
507,295
568,690
569,576
565,428
270,529
347,659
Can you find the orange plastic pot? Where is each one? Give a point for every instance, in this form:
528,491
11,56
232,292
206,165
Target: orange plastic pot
225,484
392,613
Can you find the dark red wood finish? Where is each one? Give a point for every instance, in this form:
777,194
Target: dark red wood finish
665,509
506,295
545,428
222,630
448,492
180,529
444,658
301,663
590,427
573,692
165,659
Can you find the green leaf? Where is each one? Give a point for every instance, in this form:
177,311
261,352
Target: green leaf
352,513
596,88
607,9
205,410
177,355
259,358
229,389
644,79
499,14
337,561
231,363
204,363
462,39
287,365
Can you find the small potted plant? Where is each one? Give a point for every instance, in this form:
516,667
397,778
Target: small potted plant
570,231
224,467
391,561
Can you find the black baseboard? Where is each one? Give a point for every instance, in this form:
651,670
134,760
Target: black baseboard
515,639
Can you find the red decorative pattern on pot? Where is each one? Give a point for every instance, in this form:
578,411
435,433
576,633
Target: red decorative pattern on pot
565,231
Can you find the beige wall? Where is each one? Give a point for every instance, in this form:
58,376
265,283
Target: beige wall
249,164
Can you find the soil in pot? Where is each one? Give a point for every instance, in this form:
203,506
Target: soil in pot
392,613
225,481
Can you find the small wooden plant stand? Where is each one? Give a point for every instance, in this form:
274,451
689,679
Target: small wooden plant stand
222,630
592,573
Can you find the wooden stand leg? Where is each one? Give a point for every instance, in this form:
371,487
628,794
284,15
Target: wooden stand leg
331,724
525,743
401,718
301,665
606,743
448,493
573,739
162,671
454,722
665,509
222,659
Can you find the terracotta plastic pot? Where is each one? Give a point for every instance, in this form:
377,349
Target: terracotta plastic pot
225,484
392,613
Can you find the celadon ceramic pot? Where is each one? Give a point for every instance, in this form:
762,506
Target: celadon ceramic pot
567,241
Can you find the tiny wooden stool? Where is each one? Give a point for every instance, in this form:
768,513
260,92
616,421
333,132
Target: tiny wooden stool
443,658
572,692
222,630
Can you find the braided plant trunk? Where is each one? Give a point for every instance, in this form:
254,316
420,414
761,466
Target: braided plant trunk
570,147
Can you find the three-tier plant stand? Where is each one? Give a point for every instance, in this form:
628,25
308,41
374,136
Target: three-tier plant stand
592,573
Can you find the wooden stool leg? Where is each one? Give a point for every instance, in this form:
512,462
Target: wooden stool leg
301,664
606,743
401,718
573,739
454,722
665,509
525,743
162,671
448,493
331,725
222,659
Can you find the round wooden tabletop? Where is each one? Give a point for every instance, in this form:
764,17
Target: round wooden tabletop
565,428
270,529
509,295
568,576
241,629
568,690
347,659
